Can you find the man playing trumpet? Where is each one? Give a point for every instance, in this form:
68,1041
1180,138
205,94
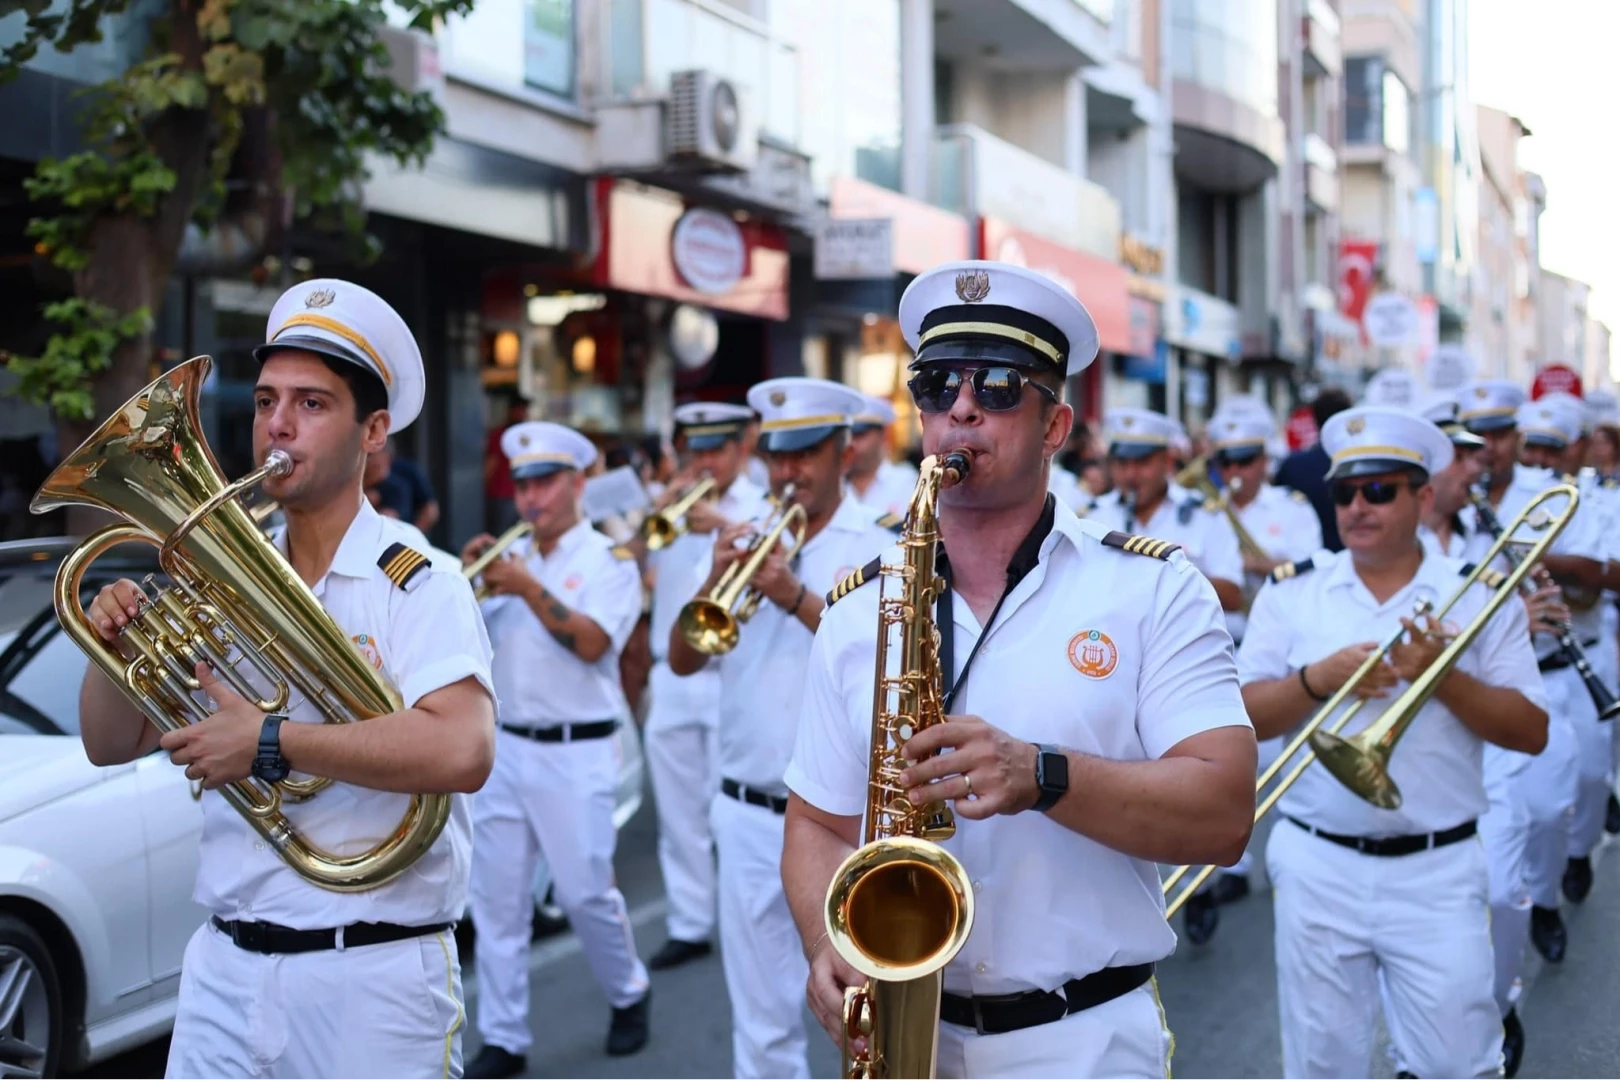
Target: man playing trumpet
1361,890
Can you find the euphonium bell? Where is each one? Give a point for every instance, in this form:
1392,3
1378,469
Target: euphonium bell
713,624
234,603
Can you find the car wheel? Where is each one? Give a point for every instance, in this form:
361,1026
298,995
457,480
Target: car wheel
31,1019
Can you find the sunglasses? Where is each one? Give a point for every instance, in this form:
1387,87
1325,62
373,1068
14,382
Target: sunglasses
1241,458
996,389
1375,492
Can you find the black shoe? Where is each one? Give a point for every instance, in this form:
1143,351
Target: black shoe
1578,878
1512,1044
493,1061
1229,888
1547,934
1611,819
676,952
548,921
1202,918
628,1032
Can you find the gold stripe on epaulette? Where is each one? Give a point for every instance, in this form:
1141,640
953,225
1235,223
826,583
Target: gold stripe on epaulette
1492,579
401,566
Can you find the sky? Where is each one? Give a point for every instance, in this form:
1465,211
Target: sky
1555,64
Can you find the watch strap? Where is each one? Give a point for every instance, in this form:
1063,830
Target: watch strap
267,758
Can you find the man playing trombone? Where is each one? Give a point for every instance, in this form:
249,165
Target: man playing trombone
805,440
682,716
1362,890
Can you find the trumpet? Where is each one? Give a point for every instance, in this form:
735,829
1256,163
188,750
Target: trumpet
1361,763
475,568
1569,646
664,527
712,624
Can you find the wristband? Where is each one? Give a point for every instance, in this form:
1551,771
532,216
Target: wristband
797,600
1314,696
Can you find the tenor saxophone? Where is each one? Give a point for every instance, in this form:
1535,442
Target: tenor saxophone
901,906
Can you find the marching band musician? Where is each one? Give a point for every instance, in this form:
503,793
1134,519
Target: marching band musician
681,720
564,603
1096,726
1494,409
804,439
1360,891
286,978
874,480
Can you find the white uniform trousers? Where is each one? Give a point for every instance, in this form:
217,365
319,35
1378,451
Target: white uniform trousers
1548,785
1505,832
1269,749
1421,920
1596,738
760,949
382,1010
555,798
680,745
1126,1037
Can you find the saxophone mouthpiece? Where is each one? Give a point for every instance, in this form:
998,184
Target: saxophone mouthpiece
956,466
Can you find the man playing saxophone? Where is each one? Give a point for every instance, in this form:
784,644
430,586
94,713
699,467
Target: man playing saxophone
804,438
1095,722
286,978
1361,890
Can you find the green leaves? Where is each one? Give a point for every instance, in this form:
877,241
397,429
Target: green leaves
84,348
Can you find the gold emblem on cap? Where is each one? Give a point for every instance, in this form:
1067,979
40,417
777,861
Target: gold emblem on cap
1481,392
1127,421
320,298
1356,426
972,286
523,440
778,398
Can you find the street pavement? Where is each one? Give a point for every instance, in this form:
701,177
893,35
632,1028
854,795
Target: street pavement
1220,999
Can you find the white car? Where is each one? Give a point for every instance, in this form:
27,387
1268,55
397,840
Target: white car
96,864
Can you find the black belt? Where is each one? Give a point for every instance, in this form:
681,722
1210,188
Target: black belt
1013,1012
1394,845
269,938
1560,660
592,729
776,804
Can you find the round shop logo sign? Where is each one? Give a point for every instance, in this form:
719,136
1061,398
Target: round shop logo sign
709,251
1093,654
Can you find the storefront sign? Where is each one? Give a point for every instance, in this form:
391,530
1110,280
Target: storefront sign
853,249
640,252
1141,256
1451,366
1098,283
922,236
1301,428
1555,379
709,250
1202,323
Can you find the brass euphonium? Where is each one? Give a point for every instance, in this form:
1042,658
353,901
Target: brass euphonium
664,527
234,603
900,907
712,624
475,568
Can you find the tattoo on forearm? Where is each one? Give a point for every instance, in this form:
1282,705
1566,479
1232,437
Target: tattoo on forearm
559,611
564,638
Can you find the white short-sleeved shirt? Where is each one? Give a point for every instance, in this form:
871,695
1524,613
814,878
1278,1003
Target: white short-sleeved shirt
539,681
1285,526
1205,536
890,492
1437,764
761,680
422,639
673,567
1116,655
1583,537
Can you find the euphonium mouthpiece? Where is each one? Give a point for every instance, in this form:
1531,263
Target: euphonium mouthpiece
278,463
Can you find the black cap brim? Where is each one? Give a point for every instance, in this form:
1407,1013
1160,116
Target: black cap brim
865,426
1546,442
535,469
318,346
707,442
794,439
1481,425
1373,467
1238,455
1134,451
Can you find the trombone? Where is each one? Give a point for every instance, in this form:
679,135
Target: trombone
1361,763
664,527
474,569
712,624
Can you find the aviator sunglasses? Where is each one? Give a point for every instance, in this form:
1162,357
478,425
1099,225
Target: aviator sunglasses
996,389
1376,492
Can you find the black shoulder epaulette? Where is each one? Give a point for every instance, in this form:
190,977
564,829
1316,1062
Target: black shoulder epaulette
1291,569
854,581
404,566
1609,483
1491,579
622,552
892,522
1141,545
1569,478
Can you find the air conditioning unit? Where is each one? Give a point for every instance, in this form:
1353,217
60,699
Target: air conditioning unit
707,124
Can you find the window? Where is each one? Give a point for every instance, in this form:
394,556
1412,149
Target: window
1363,105
548,46
1397,113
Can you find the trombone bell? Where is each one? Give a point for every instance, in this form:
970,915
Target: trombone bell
1360,764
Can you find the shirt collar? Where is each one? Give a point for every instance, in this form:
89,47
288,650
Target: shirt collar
570,539
1037,543
360,547
1429,572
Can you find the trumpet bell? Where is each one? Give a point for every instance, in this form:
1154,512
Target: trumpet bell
659,532
708,627
1360,765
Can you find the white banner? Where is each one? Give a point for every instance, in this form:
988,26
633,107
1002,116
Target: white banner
853,249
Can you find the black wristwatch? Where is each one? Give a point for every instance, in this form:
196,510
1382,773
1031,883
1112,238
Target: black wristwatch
268,764
1051,776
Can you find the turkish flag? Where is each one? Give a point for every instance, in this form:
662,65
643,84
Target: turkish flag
1356,261
1301,428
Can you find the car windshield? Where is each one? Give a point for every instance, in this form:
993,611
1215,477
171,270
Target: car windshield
42,671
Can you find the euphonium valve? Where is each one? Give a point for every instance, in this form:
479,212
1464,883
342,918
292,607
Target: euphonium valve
900,907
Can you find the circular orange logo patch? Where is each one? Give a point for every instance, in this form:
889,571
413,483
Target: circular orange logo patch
1093,654
368,648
